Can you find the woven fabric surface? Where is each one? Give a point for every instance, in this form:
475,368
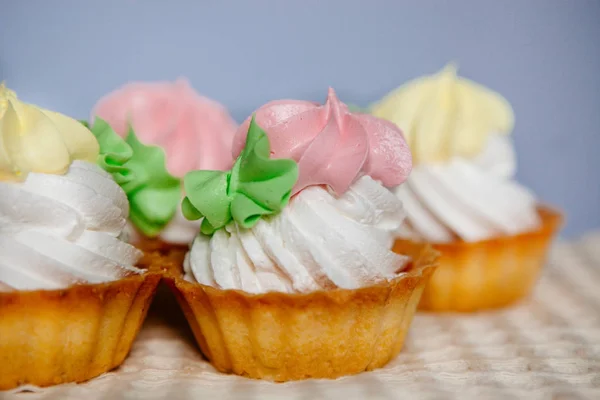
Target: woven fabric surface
546,347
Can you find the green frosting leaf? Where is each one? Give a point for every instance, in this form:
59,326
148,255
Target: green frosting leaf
114,152
141,172
255,187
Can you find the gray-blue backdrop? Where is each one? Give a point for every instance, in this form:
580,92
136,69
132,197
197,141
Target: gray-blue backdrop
543,55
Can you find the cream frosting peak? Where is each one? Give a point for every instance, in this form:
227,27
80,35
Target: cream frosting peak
320,241
470,200
331,145
444,115
194,131
5,95
65,229
33,139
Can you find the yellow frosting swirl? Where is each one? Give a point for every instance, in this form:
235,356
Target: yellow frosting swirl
36,140
445,115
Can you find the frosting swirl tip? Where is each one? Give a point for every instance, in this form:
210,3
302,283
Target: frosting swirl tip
332,145
444,115
33,139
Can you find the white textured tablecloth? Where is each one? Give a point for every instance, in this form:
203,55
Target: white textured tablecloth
547,347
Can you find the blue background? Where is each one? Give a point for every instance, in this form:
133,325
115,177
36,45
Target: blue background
543,55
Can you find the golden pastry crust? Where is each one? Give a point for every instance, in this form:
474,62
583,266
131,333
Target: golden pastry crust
48,337
324,334
491,273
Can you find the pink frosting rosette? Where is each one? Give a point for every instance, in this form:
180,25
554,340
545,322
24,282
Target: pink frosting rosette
331,145
194,131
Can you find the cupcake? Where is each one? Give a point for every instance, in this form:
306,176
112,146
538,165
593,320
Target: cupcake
193,132
462,197
292,274
73,294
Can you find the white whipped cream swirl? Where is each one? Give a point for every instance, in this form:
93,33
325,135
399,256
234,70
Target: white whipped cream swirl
59,230
468,199
319,241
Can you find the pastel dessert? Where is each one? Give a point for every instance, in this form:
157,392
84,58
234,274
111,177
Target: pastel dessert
292,274
192,132
73,294
462,197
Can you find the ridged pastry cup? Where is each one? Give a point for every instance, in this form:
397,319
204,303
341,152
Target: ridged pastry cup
48,337
490,273
324,334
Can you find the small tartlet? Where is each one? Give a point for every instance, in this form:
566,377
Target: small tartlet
74,334
463,197
73,292
473,276
288,336
292,275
